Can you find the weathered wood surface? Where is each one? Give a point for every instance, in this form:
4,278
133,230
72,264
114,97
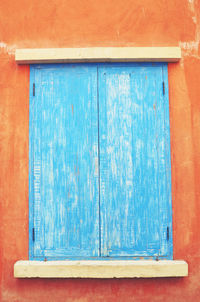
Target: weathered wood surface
100,161
65,153
133,162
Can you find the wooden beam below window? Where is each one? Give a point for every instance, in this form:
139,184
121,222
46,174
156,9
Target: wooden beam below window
101,269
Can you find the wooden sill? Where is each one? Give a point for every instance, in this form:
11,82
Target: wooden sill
97,54
100,269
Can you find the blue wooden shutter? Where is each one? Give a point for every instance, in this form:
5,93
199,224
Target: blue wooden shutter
99,161
134,160
64,193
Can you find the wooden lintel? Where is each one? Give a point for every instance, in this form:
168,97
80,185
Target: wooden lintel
98,54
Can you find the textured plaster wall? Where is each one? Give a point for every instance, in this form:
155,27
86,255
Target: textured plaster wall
64,23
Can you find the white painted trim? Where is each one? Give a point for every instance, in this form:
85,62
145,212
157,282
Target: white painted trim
98,54
100,269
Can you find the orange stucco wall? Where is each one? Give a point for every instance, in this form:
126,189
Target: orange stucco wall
79,23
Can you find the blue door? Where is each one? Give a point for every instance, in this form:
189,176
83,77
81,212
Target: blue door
100,171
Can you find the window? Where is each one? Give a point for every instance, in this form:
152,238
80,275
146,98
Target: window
100,176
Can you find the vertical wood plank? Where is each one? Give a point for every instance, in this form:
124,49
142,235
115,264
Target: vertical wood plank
65,158
166,208
134,200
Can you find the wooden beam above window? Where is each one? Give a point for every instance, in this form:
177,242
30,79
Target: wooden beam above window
97,54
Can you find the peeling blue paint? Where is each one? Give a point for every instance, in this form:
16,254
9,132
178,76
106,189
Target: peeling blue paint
100,175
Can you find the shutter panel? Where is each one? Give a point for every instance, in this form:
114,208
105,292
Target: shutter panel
134,164
64,160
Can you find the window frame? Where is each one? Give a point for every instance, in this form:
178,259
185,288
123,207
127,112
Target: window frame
141,269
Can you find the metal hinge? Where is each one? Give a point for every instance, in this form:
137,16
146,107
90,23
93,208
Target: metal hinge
167,233
33,234
33,89
163,85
